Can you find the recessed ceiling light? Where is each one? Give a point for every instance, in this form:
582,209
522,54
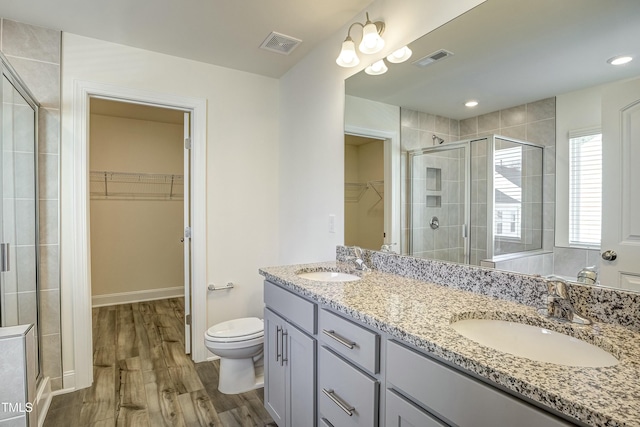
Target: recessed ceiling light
471,104
620,60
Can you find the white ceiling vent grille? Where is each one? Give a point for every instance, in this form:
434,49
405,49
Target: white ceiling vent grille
438,55
279,43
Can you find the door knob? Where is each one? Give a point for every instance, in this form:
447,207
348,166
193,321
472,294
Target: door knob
182,240
609,255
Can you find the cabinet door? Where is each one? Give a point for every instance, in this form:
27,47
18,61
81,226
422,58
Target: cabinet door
401,413
300,358
274,368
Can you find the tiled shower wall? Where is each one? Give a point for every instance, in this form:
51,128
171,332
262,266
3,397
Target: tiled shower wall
34,52
416,131
438,192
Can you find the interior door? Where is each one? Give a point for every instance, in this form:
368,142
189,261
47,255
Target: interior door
621,179
187,232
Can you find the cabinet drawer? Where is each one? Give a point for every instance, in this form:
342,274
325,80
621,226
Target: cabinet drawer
290,306
353,341
456,397
402,413
347,396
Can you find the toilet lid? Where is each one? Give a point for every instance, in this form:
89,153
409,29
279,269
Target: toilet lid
243,328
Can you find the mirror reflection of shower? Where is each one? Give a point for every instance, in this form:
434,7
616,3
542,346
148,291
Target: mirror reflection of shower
437,140
486,194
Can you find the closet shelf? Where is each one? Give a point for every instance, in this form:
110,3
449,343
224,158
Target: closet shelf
108,185
353,191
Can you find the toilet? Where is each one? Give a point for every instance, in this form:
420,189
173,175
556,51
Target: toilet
240,344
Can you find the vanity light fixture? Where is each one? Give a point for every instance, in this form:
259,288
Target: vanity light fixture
371,42
471,104
620,60
377,68
400,55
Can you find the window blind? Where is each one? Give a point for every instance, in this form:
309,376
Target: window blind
585,189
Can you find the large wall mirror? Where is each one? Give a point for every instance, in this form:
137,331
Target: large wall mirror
513,182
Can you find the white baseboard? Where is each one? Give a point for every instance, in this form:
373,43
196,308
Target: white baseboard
68,382
136,296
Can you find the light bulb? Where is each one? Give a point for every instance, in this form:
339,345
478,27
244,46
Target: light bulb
400,55
371,40
377,68
348,56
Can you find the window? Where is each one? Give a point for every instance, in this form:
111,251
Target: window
585,189
507,177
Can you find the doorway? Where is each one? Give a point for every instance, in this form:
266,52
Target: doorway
138,205
364,207
81,373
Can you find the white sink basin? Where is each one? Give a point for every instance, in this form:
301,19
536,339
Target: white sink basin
329,276
534,343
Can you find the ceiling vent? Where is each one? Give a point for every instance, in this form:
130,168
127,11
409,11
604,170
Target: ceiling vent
279,43
438,55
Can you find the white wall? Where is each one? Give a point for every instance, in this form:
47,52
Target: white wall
242,164
311,127
581,109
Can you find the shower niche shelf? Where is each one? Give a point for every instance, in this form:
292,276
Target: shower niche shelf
108,185
434,201
434,179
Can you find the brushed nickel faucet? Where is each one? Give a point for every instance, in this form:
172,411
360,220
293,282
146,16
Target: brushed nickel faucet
357,260
559,306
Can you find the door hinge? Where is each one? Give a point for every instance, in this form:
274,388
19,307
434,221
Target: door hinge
187,143
187,232
187,319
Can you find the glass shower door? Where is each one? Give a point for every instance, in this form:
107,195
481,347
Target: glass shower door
18,209
438,212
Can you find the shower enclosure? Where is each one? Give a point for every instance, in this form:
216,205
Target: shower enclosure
475,199
19,255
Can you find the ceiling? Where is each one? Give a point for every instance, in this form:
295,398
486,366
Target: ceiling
221,32
511,52
130,110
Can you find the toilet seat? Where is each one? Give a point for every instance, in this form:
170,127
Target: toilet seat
243,329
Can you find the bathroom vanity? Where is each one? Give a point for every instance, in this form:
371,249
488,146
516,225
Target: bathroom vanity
379,351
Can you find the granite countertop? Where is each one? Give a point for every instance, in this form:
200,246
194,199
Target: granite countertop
419,313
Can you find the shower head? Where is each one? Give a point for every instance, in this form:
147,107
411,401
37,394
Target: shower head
437,140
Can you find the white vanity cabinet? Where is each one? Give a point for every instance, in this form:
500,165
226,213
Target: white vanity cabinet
289,358
444,396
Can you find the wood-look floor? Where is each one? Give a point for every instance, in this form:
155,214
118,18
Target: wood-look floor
142,377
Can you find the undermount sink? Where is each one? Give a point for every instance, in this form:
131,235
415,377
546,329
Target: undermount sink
328,276
534,343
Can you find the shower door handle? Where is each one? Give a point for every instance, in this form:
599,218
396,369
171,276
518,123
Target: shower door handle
5,264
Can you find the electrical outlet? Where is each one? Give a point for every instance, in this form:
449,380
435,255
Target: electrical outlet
332,223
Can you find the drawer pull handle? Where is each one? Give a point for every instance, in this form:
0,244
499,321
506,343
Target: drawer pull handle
345,342
278,349
348,409
326,422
